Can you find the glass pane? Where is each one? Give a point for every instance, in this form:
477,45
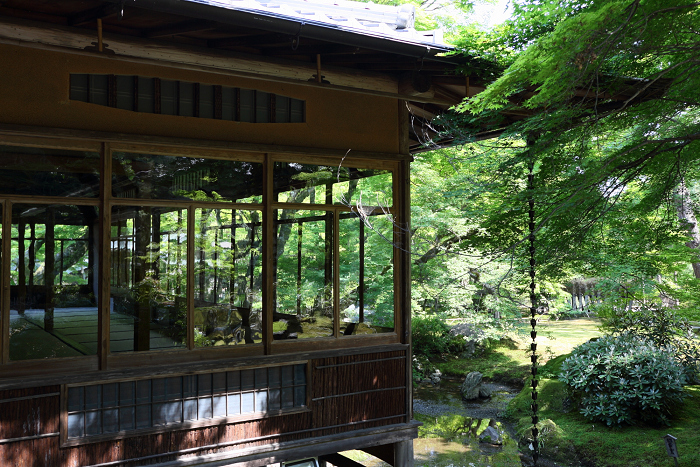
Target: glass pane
205,409
234,404
261,401
126,393
274,402
319,184
262,107
109,395
169,412
125,92
127,418
49,172
303,283
287,398
206,101
247,379
168,97
52,293
300,396
247,105
297,111
93,423
233,380
228,277
146,92
366,274
146,176
190,409
76,425
75,399
149,278
247,402
281,109
228,103
143,416
219,406
185,101
110,420
189,386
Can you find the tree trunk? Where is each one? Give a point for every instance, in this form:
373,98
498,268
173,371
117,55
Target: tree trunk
686,216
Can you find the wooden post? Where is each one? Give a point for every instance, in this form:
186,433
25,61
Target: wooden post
5,281
21,268
49,269
100,45
403,454
189,290
103,263
268,254
318,69
361,285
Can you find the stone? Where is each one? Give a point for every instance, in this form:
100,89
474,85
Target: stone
484,391
490,435
470,386
436,377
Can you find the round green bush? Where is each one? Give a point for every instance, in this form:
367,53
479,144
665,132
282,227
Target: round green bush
623,379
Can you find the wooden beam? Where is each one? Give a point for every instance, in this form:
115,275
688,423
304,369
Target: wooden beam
100,12
182,28
186,144
54,37
256,41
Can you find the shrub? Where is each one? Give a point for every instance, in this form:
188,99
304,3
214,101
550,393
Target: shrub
664,327
623,379
431,336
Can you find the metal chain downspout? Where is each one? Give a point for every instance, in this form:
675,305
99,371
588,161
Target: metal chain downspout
533,310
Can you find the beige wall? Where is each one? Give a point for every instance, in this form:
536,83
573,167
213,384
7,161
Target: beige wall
34,90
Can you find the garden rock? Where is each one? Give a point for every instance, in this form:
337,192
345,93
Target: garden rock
484,391
436,377
471,385
490,435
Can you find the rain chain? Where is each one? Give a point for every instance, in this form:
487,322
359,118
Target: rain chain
533,310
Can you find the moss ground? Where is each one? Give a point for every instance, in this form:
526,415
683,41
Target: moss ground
567,436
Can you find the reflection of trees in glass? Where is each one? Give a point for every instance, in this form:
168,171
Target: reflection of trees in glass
304,273
149,276
366,274
150,176
228,277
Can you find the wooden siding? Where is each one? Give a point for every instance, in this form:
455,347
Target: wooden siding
346,393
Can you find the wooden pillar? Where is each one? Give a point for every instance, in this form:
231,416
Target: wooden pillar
6,245
21,268
49,269
32,263
402,254
300,230
361,285
328,253
403,454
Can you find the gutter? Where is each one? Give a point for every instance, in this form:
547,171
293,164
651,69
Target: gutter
290,26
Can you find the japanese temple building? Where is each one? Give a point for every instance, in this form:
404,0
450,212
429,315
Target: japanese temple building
205,229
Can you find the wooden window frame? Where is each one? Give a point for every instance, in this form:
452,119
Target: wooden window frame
104,360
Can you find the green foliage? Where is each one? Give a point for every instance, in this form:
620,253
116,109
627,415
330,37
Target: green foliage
431,336
662,326
624,379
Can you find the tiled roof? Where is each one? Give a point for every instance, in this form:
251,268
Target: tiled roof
382,21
